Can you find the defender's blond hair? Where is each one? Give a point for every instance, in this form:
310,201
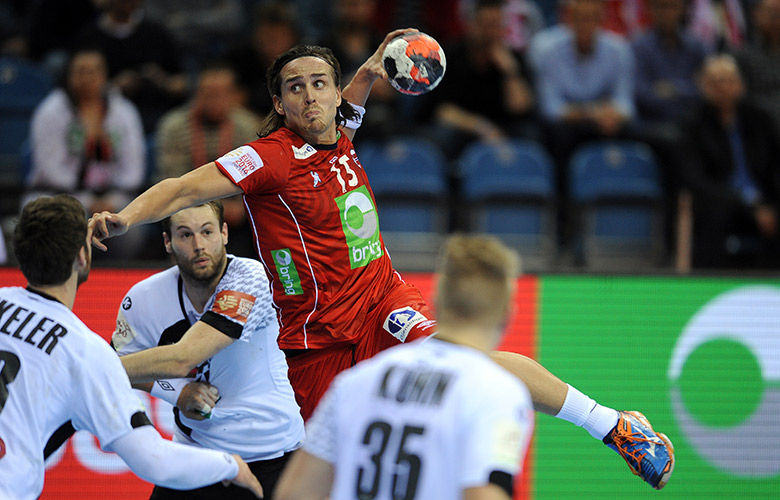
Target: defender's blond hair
476,281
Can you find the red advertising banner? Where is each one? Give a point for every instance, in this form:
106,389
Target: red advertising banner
81,470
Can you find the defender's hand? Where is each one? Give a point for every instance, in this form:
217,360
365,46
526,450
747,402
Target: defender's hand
246,479
197,399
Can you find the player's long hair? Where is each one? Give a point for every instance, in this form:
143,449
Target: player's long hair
48,237
274,121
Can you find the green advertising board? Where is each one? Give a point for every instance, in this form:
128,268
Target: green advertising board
700,357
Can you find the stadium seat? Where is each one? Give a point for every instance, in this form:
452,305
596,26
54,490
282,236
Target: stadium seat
617,203
22,87
509,191
408,178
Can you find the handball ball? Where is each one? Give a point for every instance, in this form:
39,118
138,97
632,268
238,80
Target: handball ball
414,62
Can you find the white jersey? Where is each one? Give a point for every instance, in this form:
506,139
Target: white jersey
53,369
257,416
423,420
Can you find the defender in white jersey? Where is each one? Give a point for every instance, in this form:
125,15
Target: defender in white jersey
213,318
433,419
53,369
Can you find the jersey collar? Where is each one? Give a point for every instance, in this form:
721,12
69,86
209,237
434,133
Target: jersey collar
328,147
42,294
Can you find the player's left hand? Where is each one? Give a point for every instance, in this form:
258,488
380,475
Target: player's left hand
197,399
373,65
105,225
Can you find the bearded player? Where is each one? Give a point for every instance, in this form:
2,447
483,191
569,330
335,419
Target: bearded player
337,296
54,370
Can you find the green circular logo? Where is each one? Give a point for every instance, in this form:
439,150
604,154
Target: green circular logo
721,383
354,217
725,373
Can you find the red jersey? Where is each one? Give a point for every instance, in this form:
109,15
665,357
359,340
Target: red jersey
316,229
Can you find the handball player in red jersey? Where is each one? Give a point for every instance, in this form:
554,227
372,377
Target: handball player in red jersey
316,230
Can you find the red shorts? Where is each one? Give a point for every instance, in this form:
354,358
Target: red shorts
401,316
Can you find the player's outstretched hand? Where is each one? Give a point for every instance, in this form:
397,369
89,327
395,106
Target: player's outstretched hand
105,225
197,399
246,479
374,63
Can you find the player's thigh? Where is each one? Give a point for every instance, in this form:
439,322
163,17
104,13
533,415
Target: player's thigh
310,373
402,316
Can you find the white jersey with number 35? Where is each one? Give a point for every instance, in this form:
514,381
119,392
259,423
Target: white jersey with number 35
424,420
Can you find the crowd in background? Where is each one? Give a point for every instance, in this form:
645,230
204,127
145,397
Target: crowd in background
148,89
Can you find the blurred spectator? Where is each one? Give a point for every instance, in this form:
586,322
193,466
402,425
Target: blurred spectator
353,39
760,59
733,170
584,82
485,94
313,18
210,125
668,58
721,24
143,60
626,17
202,29
87,140
274,31
14,21
53,26
522,20
442,19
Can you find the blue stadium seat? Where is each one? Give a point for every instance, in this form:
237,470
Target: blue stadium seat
409,182
617,199
22,87
22,84
509,190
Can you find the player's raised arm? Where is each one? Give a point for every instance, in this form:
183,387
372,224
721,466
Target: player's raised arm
163,199
358,89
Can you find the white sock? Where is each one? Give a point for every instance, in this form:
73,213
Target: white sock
584,412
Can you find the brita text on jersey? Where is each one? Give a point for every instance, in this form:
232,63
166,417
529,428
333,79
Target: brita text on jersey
360,224
285,269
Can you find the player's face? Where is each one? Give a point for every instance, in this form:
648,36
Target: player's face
197,243
309,99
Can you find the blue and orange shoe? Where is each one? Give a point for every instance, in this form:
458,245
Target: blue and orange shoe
648,455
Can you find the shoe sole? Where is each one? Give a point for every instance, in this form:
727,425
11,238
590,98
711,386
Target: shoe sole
670,467
669,446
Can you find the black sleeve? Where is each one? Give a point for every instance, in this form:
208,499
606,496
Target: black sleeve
59,438
221,323
503,480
